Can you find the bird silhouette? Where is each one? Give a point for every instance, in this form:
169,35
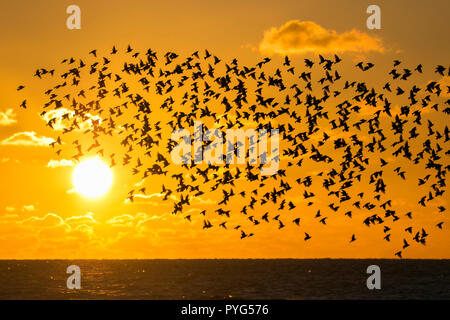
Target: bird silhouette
350,130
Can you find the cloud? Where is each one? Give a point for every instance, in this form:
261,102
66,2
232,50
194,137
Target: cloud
60,163
297,37
122,220
147,198
27,138
62,118
85,219
84,229
49,220
7,117
203,201
28,208
139,222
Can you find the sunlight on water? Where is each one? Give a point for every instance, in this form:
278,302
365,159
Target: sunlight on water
218,279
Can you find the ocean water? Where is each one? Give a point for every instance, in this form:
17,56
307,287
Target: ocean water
225,279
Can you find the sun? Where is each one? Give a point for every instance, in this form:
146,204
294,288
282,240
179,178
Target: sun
92,178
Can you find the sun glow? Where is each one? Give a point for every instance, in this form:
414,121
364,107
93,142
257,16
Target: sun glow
92,178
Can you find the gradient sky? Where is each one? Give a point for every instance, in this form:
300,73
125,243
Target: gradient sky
41,218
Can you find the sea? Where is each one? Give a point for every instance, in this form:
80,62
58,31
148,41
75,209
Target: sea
225,279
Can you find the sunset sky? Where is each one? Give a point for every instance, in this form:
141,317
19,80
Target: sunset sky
42,217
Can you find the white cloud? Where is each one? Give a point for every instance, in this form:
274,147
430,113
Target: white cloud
60,163
49,220
7,117
27,138
28,208
83,219
63,119
147,198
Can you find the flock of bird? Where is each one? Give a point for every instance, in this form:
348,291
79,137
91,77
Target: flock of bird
339,136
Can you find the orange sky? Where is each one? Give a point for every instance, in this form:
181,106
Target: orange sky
41,217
